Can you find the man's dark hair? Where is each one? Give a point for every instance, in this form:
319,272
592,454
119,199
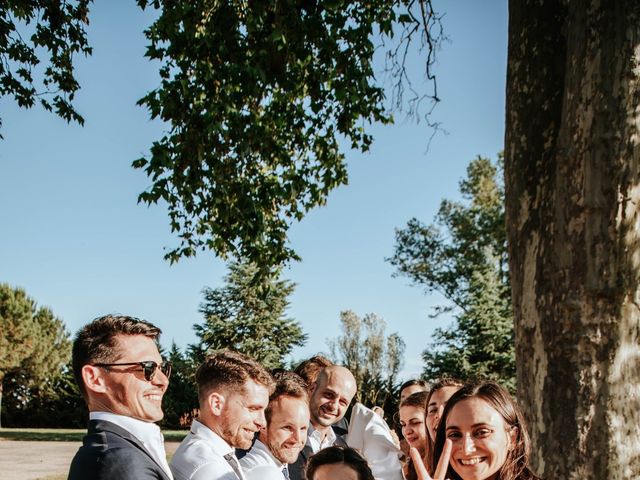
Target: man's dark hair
226,369
96,342
340,455
288,384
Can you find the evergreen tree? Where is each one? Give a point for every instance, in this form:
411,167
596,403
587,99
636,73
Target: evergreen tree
181,397
33,342
463,255
248,315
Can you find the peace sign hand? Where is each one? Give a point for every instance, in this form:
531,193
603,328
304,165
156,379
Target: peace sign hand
441,469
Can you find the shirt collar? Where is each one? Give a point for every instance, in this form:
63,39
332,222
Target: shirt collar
147,432
315,436
261,446
217,442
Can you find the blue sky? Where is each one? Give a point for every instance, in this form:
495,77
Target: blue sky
75,238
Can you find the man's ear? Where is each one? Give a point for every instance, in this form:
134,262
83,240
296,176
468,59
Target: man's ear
94,379
216,402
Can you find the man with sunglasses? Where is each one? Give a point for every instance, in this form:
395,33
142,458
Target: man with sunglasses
122,377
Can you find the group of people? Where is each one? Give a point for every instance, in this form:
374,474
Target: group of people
300,425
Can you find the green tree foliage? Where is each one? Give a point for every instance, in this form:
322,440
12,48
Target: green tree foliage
181,397
33,342
28,31
373,358
56,402
463,256
248,315
255,96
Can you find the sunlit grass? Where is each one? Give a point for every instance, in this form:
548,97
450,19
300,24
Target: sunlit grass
67,435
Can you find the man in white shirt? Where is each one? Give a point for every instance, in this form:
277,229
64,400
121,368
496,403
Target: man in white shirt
233,391
334,389
285,434
122,378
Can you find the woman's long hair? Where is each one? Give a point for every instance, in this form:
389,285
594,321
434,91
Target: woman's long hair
516,465
429,448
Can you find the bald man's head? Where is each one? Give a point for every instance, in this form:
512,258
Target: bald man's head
335,388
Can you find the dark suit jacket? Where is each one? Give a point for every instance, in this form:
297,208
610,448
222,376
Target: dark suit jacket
297,470
109,452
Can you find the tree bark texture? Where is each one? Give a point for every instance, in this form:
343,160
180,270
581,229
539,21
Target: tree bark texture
572,174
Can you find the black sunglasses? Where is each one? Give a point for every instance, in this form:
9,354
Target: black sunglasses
149,368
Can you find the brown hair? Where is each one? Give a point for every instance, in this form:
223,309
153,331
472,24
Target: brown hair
435,386
412,382
341,455
309,369
226,369
288,384
418,399
96,342
516,465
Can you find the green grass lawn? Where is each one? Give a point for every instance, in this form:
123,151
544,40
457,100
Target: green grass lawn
67,435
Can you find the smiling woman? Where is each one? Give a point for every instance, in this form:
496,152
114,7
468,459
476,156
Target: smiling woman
489,439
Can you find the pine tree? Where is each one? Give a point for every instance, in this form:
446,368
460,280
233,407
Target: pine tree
248,315
33,342
463,256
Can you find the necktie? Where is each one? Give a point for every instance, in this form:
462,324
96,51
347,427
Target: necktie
285,472
233,461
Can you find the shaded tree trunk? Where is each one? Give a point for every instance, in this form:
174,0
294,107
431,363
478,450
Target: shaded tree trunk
1,383
572,174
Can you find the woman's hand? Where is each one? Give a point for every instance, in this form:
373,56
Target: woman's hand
441,469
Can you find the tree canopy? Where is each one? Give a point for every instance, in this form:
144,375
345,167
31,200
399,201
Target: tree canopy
28,32
33,342
249,317
463,256
256,97
374,358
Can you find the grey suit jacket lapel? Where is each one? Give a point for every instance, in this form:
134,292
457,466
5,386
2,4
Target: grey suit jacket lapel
97,426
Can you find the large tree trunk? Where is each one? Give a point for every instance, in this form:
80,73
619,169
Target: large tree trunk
1,382
572,172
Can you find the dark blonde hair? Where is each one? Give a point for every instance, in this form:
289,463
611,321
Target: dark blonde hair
516,465
288,384
226,369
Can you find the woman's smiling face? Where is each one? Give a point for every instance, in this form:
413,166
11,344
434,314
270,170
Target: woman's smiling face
481,439
413,426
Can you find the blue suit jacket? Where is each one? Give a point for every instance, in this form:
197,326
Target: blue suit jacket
109,452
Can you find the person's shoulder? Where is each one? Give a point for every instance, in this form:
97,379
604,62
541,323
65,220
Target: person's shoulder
255,457
196,458
263,472
125,462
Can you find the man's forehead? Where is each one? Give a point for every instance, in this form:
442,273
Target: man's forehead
340,387
251,391
135,346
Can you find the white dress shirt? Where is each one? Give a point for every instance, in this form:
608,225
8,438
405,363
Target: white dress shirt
200,456
315,441
147,433
371,436
255,463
